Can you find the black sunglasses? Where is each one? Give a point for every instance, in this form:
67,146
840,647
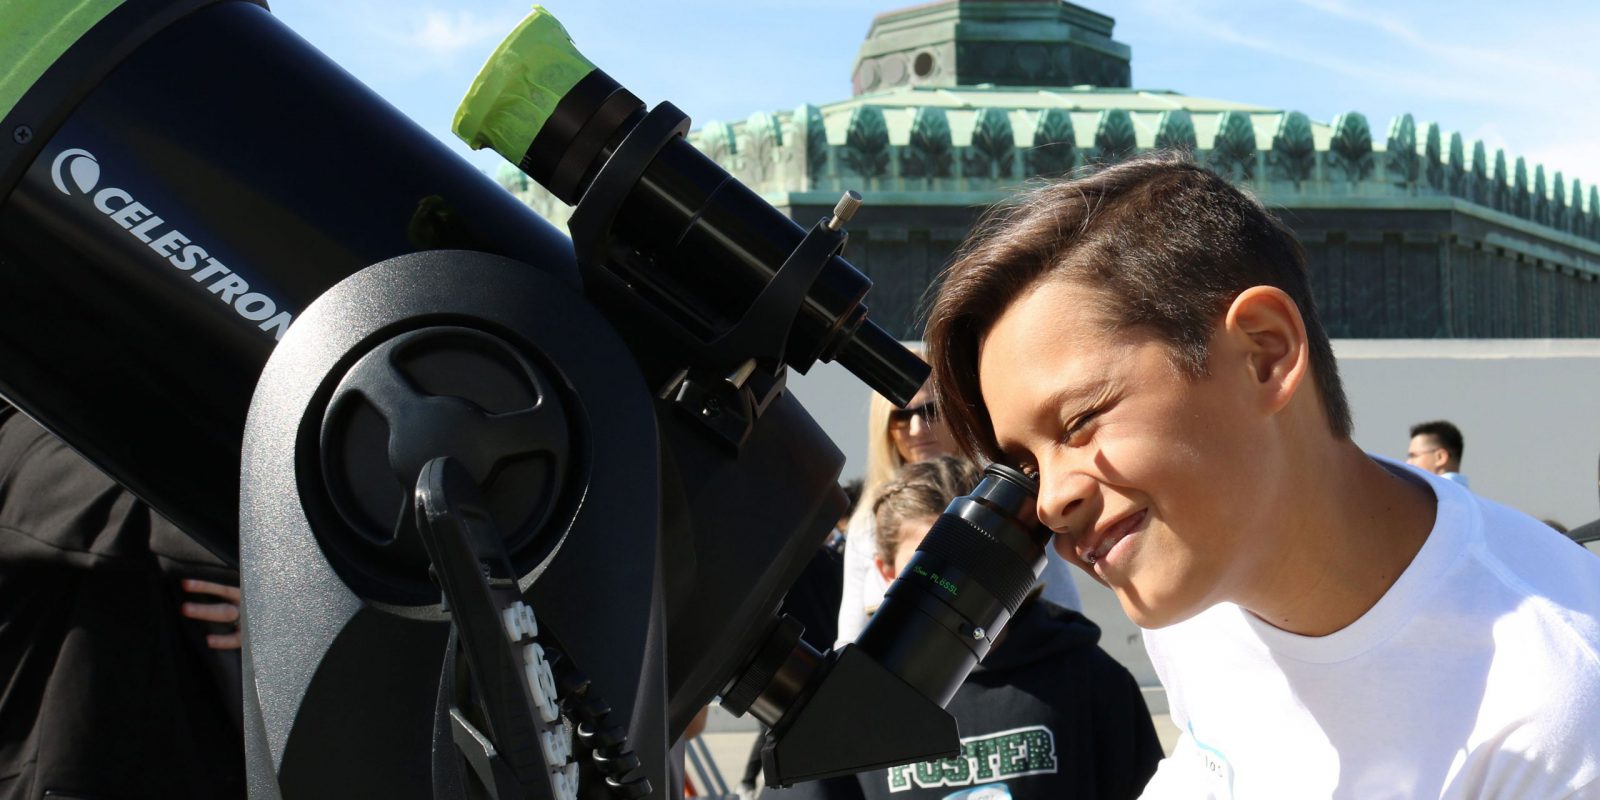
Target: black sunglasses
900,417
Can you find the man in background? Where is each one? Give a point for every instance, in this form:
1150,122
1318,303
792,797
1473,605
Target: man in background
1436,447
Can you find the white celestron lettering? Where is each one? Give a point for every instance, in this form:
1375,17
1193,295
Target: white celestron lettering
181,252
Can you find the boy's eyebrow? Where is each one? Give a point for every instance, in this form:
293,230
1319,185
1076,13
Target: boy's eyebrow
1075,397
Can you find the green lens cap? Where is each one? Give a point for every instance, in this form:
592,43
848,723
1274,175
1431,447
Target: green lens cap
519,86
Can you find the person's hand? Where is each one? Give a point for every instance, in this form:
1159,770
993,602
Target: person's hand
226,613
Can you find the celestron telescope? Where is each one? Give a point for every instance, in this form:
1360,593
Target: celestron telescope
509,508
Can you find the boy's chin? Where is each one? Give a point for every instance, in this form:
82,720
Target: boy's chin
1090,571
1153,613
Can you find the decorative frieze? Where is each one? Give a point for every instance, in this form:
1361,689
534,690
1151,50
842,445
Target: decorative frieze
1350,151
1576,218
1114,137
993,145
1519,189
1233,152
866,143
1432,165
1176,131
716,140
1591,214
1054,144
1500,196
792,151
1457,170
1558,204
812,135
1540,211
1402,164
1481,190
1294,149
929,153
763,146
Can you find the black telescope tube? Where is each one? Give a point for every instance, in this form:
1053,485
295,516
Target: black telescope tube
195,175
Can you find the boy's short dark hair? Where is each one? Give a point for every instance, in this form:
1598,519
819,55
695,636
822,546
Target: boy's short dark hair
1169,243
1447,435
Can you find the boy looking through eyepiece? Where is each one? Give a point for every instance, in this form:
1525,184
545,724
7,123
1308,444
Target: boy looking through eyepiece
1326,623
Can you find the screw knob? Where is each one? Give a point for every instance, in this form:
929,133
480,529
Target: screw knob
846,208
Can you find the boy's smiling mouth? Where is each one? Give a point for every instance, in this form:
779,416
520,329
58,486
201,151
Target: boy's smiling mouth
1104,540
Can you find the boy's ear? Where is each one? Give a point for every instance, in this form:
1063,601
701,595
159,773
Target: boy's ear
1264,323
884,569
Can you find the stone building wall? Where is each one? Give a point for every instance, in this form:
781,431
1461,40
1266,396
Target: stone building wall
1376,274
1406,235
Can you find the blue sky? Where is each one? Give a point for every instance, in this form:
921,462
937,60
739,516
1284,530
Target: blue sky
1522,76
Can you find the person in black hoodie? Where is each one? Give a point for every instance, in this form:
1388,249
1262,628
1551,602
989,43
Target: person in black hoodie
111,685
1047,714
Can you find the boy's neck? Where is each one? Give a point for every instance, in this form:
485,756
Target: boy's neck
1350,528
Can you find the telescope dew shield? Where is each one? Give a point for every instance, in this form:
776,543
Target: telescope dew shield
671,224
192,176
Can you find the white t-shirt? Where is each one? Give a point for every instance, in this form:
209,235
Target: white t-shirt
1476,676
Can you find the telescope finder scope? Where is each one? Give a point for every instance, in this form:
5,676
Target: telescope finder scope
669,223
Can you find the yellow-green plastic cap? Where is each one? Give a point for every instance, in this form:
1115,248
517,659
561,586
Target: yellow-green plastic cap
36,34
519,86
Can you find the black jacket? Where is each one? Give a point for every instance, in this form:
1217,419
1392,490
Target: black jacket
106,691
1048,714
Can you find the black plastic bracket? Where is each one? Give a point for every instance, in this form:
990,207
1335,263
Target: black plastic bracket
827,735
590,224
508,741
763,331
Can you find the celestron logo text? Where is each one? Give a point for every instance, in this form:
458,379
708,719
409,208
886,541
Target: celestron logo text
78,169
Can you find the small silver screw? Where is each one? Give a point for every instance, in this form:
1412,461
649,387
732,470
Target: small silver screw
847,208
978,633
22,135
737,378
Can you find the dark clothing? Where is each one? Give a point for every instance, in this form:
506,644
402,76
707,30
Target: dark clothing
108,692
814,598
1048,714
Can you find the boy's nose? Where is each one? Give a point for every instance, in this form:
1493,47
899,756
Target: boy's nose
1062,494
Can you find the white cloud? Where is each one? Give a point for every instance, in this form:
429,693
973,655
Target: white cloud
1198,21
1502,61
443,34
1511,80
